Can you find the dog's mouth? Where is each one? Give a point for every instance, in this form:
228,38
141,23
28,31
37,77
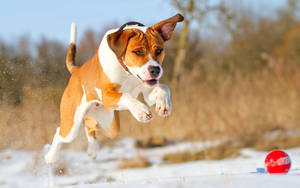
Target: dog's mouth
151,82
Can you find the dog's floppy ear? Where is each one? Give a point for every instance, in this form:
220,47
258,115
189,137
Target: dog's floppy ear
166,27
118,41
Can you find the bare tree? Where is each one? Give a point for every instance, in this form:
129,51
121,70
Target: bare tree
193,10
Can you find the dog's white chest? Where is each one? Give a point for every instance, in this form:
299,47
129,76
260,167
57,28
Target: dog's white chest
132,86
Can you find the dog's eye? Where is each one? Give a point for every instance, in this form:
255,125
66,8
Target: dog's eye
158,51
138,52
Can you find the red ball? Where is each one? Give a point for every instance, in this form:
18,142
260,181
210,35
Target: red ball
277,162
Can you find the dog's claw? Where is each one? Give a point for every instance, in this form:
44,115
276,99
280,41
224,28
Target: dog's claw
141,113
149,116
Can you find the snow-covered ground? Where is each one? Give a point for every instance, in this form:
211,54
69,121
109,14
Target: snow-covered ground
27,169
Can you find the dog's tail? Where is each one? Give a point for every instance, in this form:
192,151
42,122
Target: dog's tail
70,59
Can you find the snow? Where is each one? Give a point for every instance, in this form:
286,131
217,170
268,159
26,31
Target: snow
27,169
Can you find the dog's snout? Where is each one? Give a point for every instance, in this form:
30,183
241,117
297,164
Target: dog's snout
154,71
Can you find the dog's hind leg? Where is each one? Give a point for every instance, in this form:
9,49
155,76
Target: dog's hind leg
90,131
58,139
65,134
114,127
91,126
100,120
52,154
108,122
71,118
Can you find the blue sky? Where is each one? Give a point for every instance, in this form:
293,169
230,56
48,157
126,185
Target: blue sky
52,19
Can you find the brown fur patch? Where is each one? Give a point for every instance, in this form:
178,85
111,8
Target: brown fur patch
91,76
70,59
155,41
70,101
117,41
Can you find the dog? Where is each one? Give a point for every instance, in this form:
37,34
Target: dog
128,62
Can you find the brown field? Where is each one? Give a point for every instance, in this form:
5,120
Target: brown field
218,108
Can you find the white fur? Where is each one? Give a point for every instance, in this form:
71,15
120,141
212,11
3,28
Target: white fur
93,145
99,92
160,95
143,72
109,61
140,111
73,33
101,115
53,153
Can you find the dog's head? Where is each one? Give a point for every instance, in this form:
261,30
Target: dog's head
141,48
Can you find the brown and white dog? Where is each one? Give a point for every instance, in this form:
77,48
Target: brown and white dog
128,62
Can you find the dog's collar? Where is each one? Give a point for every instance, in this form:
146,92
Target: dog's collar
124,66
127,70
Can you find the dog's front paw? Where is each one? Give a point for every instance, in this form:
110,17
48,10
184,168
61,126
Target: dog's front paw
161,96
141,112
163,105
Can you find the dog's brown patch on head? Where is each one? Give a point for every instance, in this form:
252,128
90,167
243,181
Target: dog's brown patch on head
137,50
155,45
139,46
118,41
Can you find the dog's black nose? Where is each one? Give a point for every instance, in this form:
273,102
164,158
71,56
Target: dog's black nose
154,71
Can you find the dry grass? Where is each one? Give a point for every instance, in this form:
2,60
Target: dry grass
137,162
30,125
231,149
152,142
240,107
280,142
223,151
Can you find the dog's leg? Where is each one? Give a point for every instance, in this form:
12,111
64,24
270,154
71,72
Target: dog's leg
103,121
90,131
72,113
53,153
114,100
58,139
99,119
140,111
160,95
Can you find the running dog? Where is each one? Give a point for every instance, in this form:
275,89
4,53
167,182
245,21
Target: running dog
127,62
